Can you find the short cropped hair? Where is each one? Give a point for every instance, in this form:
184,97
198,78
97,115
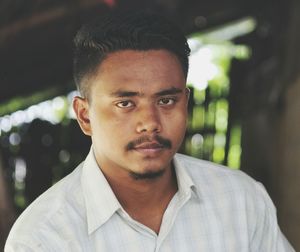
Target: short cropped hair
139,31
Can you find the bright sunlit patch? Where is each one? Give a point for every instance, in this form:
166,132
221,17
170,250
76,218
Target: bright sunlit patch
5,123
53,111
202,69
30,114
18,117
229,31
14,139
197,140
64,156
210,48
20,170
58,103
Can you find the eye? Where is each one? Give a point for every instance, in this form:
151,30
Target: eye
166,101
125,104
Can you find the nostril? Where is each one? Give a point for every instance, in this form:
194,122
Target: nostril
148,119
149,126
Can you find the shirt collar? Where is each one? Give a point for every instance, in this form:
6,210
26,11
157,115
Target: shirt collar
100,201
184,180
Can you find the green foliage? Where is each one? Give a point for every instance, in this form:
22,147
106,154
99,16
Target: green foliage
210,114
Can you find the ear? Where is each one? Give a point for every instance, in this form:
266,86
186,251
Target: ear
81,109
187,93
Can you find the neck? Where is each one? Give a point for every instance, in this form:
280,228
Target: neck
143,193
145,200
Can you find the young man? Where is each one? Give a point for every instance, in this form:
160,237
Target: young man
133,192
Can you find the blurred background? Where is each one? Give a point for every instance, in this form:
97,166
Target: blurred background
244,110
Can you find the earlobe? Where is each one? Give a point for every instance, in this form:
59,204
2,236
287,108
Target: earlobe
81,109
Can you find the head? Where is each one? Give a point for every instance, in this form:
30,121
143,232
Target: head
131,73
112,33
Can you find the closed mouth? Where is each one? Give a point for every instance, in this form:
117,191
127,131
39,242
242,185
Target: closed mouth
150,149
149,145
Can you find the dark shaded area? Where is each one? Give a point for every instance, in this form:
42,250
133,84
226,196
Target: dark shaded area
50,151
36,37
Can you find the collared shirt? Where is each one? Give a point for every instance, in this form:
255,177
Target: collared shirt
214,210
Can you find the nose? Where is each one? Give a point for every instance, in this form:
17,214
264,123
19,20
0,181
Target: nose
148,120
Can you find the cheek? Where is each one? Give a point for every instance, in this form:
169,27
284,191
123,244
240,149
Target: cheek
110,125
175,124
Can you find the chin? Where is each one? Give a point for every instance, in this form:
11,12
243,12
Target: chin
147,175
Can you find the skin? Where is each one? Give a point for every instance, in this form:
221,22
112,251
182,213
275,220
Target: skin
136,115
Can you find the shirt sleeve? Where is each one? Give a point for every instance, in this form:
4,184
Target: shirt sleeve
267,236
32,242
13,246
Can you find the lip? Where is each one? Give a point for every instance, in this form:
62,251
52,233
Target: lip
149,148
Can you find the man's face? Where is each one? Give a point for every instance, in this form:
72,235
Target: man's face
136,113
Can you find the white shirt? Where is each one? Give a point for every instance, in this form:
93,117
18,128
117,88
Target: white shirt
214,210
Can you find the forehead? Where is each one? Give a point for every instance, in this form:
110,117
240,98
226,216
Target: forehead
145,70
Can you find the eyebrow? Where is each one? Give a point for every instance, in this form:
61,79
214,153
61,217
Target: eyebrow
169,91
124,93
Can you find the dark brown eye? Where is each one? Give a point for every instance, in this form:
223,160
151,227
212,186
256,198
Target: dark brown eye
166,101
125,104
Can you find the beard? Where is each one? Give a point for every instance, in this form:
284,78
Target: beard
149,175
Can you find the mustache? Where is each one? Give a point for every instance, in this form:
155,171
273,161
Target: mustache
165,143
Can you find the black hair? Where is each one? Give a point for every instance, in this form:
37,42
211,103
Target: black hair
134,31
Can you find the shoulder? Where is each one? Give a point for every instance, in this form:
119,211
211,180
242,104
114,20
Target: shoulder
45,218
198,168
229,191
214,180
236,198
